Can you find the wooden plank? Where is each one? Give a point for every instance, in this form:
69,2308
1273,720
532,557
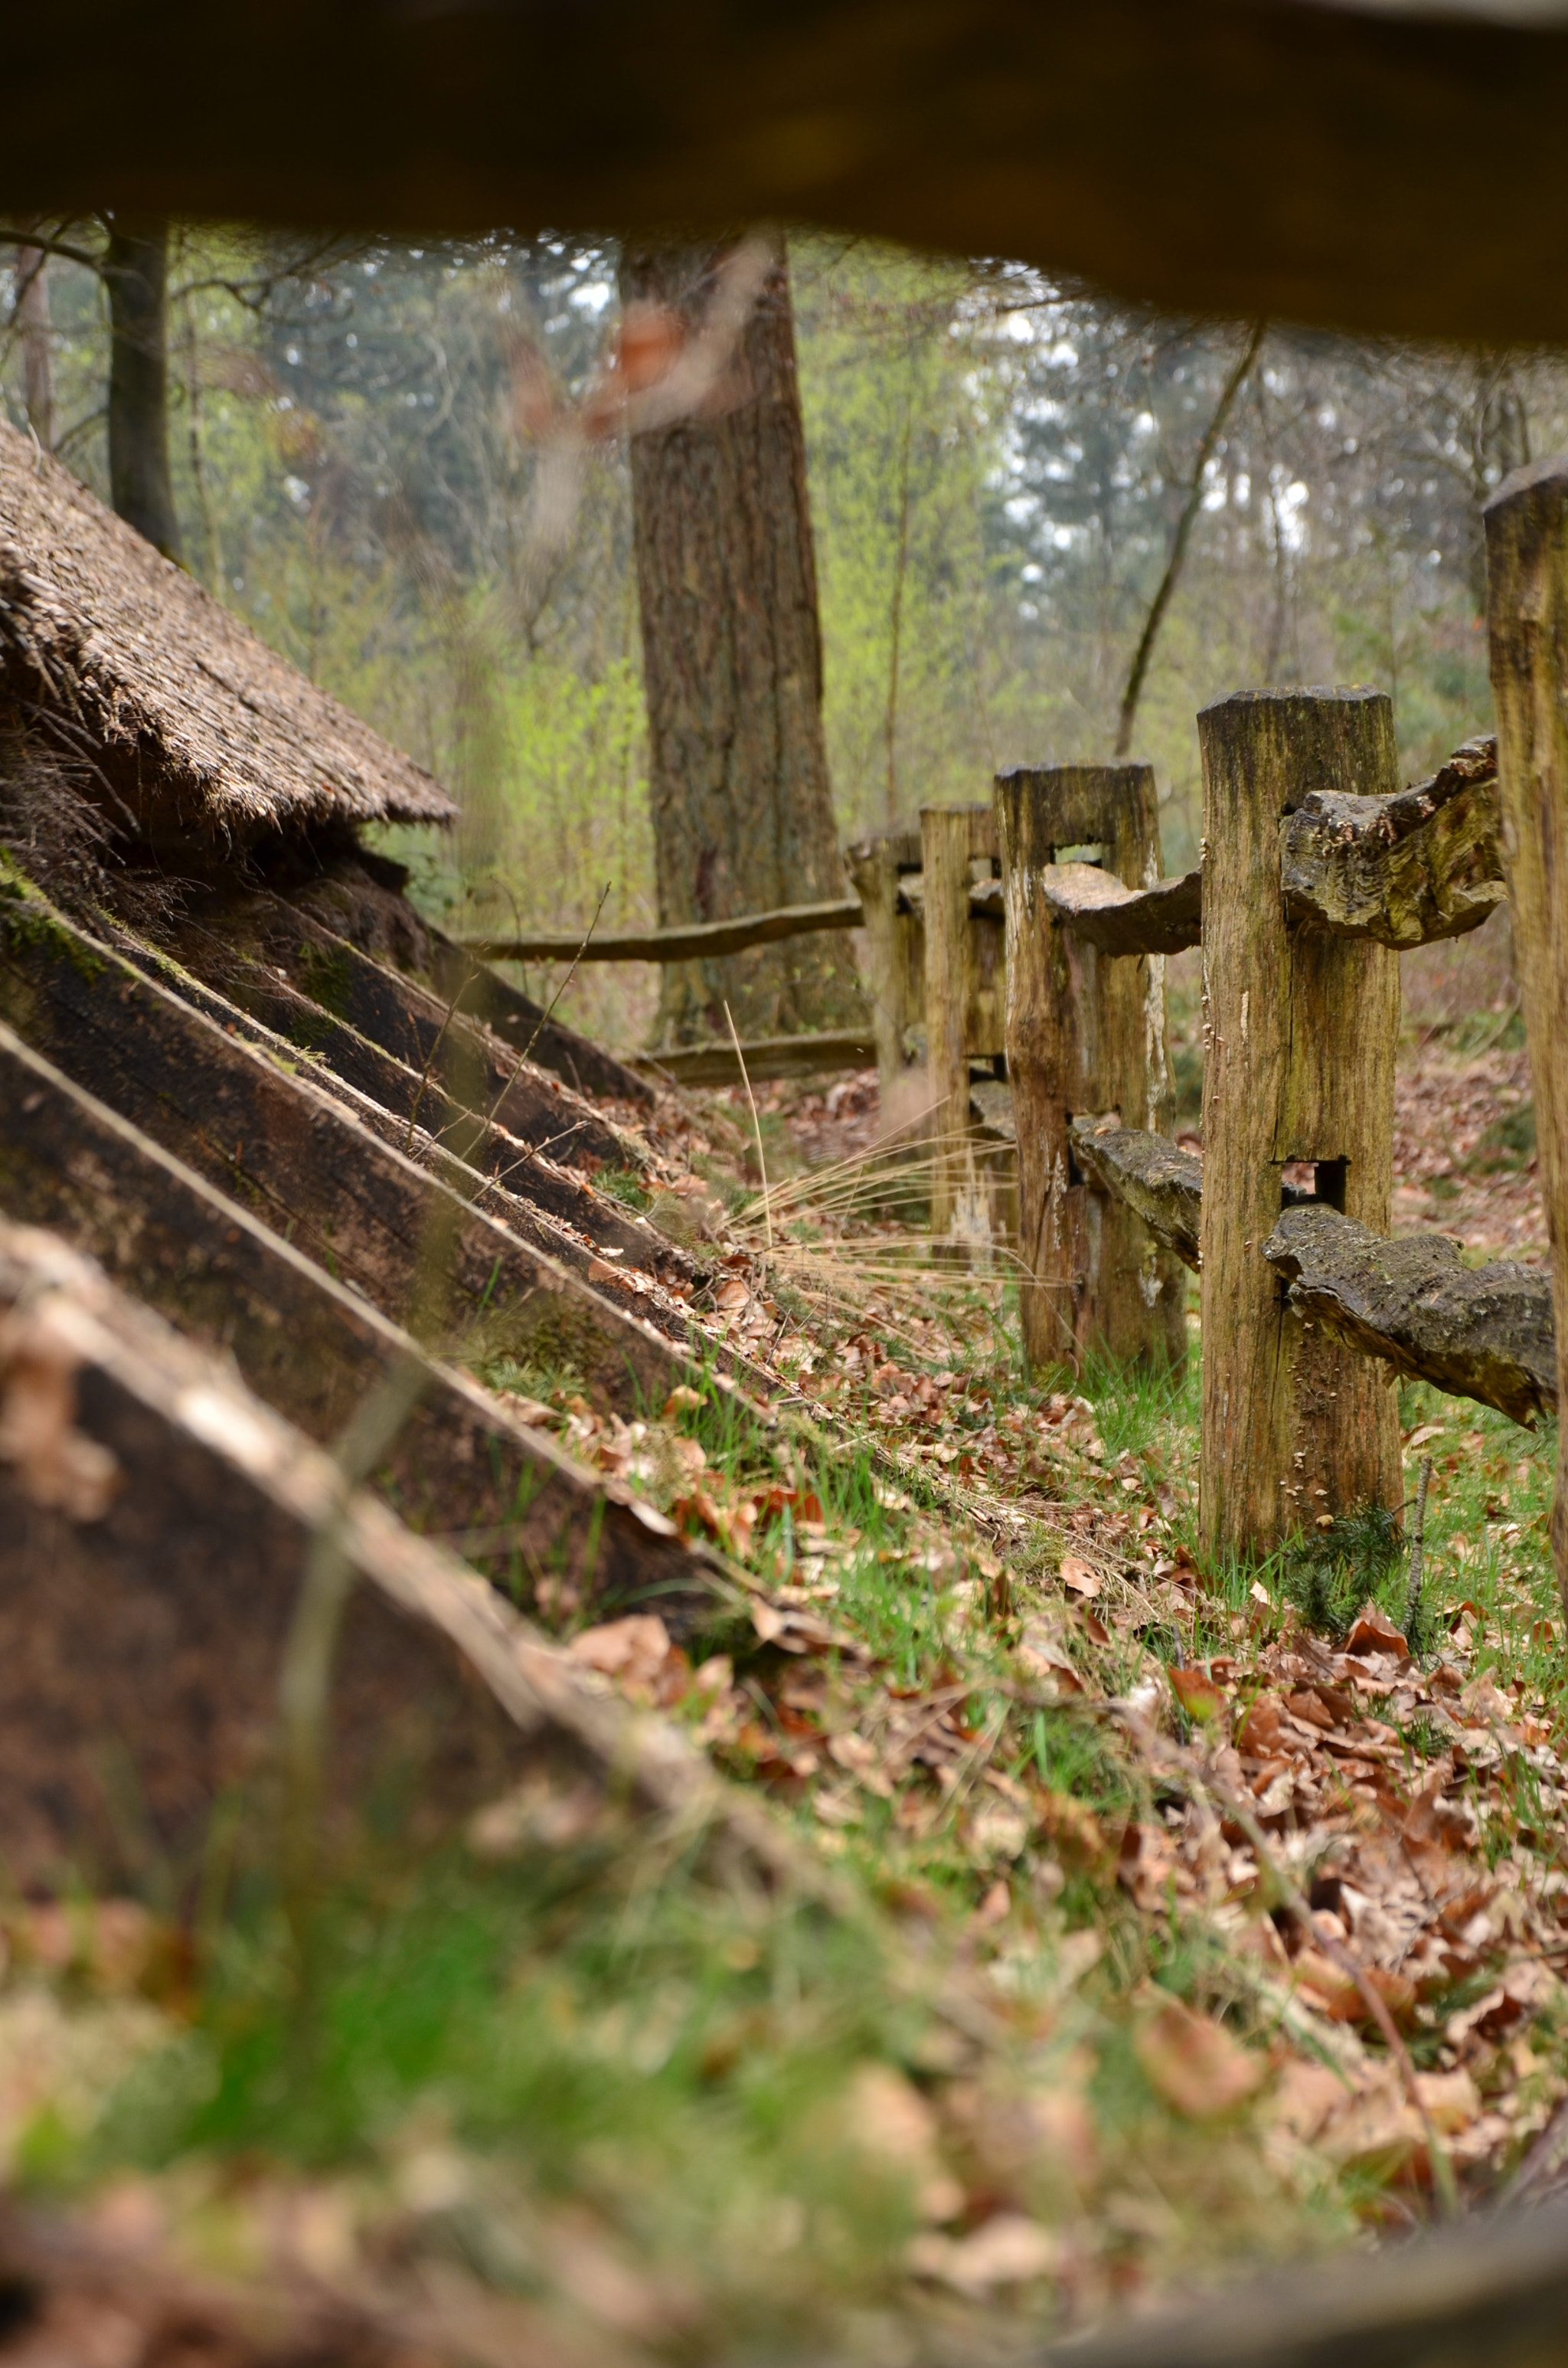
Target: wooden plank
311,1350
1084,1035
1480,1332
350,910
154,1555
1402,870
765,1056
264,1132
558,1214
1302,1031
1527,616
691,942
1120,921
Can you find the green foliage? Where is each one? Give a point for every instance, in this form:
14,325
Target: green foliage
1328,1573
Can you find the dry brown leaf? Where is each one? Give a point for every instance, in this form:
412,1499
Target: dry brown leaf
1197,1693
635,1651
1006,2250
1079,1578
1194,2063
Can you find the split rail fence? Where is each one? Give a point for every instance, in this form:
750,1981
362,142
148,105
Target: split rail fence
1029,939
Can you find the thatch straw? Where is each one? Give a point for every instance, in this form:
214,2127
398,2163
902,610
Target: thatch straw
197,724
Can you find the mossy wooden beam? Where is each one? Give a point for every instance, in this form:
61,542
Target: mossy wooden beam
431,1037
1402,870
1483,1332
1302,1030
1085,1034
481,994
1154,1176
1479,1332
462,1463
266,1135
1526,617
428,1121
154,1550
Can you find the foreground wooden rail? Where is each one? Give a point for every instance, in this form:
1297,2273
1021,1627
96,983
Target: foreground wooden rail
1488,2293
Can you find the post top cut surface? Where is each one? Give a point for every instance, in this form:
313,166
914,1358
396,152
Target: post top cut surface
1535,477
1298,695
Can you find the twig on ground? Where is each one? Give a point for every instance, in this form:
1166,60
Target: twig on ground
756,1128
1417,1538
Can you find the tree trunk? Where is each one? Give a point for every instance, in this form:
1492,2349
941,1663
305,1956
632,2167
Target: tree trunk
135,271
732,653
32,321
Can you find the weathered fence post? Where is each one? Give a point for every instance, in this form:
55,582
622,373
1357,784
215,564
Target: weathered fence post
874,864
1526,611
1301,1032
951,838
1085,1034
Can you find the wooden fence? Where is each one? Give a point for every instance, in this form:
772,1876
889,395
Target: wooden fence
1030,936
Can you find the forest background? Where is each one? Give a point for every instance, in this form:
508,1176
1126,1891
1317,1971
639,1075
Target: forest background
377,462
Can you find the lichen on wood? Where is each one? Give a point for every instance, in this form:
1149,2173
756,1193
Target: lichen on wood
1405,870
1483,1332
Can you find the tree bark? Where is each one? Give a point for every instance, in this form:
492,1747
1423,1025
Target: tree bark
135,271
1526,604
1300,1033
732,654
38,361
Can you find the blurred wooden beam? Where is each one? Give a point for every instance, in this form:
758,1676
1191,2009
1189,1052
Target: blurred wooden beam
1371,169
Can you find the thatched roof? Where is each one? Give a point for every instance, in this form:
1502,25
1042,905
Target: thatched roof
198,722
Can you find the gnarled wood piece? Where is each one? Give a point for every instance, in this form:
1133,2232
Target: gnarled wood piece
1161,1183
1401,871
1483,1332
1119,920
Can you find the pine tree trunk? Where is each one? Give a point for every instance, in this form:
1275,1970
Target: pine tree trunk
732,651
32,321
135,271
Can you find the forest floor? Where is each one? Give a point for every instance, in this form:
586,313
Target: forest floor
1122,1870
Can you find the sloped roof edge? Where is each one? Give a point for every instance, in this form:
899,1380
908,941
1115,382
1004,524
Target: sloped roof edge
135,650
